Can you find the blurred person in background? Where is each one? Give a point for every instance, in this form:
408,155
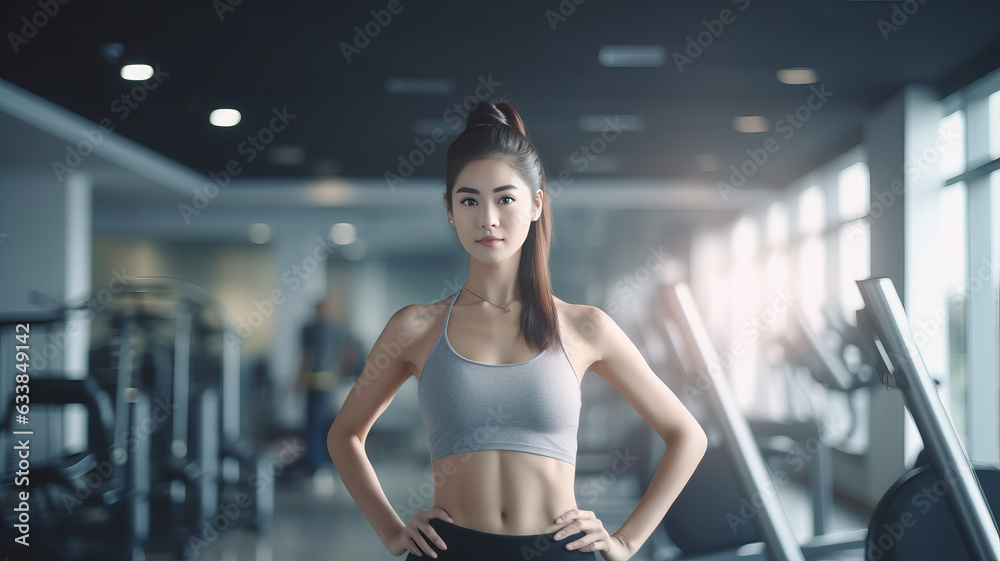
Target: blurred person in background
499,390
329,356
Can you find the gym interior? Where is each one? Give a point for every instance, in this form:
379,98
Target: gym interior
792,209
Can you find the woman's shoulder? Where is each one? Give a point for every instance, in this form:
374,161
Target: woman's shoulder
581,318
416,319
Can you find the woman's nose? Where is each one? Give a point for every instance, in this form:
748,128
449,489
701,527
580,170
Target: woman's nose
488,216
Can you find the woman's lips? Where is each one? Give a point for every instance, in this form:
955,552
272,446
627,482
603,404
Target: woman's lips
490,243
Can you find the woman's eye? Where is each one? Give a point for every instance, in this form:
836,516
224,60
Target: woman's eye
465,200
507,197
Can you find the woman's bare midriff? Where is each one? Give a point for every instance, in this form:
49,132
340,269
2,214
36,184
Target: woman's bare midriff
504,491
496,491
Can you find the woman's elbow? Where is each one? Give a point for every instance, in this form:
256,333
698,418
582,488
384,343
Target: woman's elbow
336,440
692,438
699,440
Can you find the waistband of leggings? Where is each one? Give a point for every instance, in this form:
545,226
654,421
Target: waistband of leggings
442,523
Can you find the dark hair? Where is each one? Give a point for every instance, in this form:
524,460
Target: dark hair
495,130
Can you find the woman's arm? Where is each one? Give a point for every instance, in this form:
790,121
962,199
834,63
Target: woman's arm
624,367
371,394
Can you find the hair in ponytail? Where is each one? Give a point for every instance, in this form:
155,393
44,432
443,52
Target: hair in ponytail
495,130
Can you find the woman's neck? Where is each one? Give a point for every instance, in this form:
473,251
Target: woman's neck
496,282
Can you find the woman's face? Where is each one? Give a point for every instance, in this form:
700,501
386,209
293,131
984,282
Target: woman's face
491,201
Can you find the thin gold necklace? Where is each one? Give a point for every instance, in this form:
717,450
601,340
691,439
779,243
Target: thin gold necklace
504,308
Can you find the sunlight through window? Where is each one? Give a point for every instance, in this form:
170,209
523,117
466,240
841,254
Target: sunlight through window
951,138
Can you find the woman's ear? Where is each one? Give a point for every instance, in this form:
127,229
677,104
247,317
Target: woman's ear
536,211
450,217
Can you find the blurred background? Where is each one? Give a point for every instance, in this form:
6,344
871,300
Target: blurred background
181,185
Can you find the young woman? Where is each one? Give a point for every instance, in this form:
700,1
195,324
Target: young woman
498,368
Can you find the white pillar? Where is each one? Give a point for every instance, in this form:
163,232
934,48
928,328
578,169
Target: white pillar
79,252
46,247
903,236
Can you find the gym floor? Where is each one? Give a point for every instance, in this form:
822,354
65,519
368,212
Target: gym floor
313,524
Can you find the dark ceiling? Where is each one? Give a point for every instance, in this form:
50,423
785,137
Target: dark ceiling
259,57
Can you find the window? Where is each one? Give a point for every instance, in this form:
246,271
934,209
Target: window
953,252
812,218
777,224
710,264
852,191
854,244
993,109
855,264
951,145
776,260
745,305
812,277
743,258
970,265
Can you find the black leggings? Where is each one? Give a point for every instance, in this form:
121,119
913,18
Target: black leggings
466,544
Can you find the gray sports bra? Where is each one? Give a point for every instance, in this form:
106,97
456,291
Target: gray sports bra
530,406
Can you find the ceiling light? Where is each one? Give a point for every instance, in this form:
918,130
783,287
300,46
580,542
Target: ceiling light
136,72
632,56
611,123
224,117
432,86
750,123
259,233
797,76
343,233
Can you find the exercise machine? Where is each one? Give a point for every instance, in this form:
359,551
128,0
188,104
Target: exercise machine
949,500
82,503
911,521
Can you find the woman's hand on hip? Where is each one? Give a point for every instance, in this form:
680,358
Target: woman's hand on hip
612,547
410,539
